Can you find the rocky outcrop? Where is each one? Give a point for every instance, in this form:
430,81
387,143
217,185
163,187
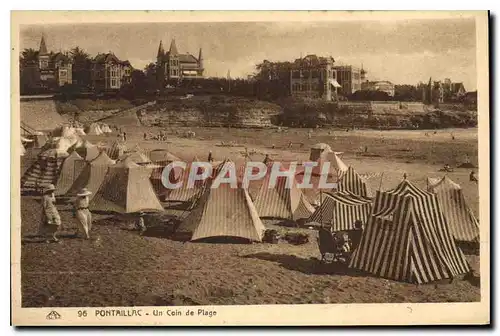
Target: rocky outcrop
236,113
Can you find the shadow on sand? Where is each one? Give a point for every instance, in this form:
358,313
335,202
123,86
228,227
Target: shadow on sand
307,266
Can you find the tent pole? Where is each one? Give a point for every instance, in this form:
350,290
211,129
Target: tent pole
320,203
380,184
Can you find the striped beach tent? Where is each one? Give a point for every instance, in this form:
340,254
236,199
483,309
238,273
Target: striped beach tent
69,171
224,211
45,170
338,164
126,189
92,175
351,182
408,239
281,200
341,210
463,223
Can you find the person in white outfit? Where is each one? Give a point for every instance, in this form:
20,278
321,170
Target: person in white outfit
82,212
51,221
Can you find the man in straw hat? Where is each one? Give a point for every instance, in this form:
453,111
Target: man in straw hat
82,212
51,221
139,224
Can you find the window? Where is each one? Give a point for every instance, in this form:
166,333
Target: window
315,74
63,72
113,83
295,74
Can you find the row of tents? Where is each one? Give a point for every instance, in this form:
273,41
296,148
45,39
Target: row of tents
38,140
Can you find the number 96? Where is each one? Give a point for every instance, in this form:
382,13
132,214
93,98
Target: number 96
82,313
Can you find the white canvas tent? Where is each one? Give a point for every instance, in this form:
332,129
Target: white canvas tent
224,211
126,189
92,175
279,201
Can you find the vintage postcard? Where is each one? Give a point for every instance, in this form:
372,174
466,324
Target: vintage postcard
250,168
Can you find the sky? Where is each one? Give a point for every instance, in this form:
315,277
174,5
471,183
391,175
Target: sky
403,52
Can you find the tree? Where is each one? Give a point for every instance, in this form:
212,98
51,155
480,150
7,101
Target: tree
151,76
28,56
28,71
407,93
273,79
137,86
82,65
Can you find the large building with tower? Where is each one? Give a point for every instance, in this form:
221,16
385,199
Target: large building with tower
174,66
54,69
314,77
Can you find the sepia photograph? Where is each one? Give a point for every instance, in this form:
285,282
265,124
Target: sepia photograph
219,167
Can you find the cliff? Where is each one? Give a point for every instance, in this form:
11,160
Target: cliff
210,111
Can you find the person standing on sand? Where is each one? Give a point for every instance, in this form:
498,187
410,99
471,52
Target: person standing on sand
139,224
82,212
51,221
266,159
210,158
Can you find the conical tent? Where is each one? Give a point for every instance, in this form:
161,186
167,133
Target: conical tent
126,189
39,140
341,210
157,176
463,223
319,174
116,150
105,128
351,182
281,201
92,175
162,156
79,131
87,150
45,170
186,193
54,153
408,239
224,211
70,169
94,129
338,164
319,151
137,157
